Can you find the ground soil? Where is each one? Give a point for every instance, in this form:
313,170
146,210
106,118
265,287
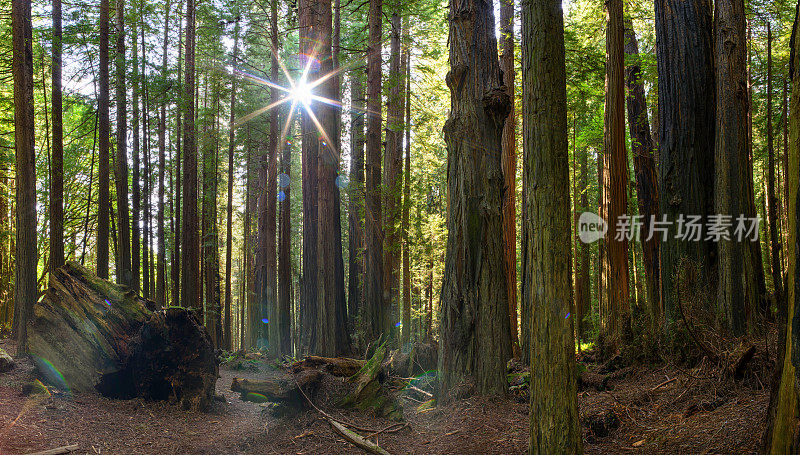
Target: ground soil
697,412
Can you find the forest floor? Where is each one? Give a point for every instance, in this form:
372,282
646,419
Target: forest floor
660,409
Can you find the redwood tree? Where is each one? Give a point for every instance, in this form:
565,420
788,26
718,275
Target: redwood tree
104,196
475,334
121,161
554,423
57,162
25,292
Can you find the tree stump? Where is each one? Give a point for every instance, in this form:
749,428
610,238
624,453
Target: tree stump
89,334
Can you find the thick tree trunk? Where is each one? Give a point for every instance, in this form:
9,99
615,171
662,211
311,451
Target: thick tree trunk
686,135
644,167
510,166
392,171
57,161
554,422
475,327
104,196
615,311
121,162
310,192
332,337
227,339
355,218
376,316
210,242
190,260
284,316
583,292
176,255
737,296
25,291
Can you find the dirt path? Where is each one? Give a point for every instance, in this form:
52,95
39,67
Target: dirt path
649,421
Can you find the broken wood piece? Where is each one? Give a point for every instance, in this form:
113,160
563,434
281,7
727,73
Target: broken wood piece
57,450
420,391
355,439
668,381
285,391
370,392
738,368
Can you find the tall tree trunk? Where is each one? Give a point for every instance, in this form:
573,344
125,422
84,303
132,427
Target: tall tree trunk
737,295
644,167
376,315
147,284
332,338
392,171
209,240
227,340
475,327
104,196
136,243
121,168
161,261
615,313
25,291
57,166
269,290
510,166
284,316
407,190
554,425
176,258
355,219
777,280
686,134
190,260
583,292
246,305
780,436
310,145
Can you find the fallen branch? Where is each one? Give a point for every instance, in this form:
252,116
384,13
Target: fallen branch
668,381
420,391
57,450
355,439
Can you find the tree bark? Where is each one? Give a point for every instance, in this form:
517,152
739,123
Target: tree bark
615,311
332,337
284,316
25,289
136,217
176,256
554,423
510,166
644,166
475,328
737,295
392,171
686,134
121,161
104,196
190,260
376,315
57,161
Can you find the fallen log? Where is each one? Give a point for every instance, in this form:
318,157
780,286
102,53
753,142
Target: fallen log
90,334
6,362
285,391
335,366
355,439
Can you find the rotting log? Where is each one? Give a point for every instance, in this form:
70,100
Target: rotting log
89,334
285,391
370,392
335,366
356,439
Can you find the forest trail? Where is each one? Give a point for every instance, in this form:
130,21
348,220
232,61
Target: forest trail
691,414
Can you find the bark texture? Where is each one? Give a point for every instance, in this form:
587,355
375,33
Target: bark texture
475,328
555,427
104,195
686,105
